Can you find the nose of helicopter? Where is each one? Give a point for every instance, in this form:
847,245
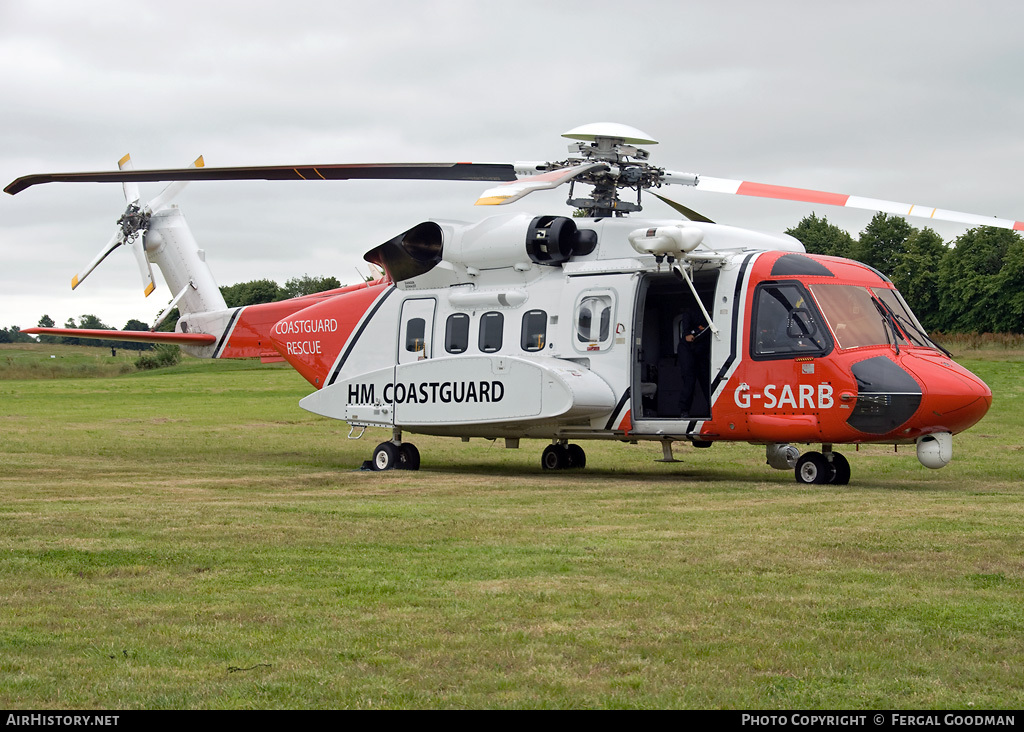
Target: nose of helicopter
953,397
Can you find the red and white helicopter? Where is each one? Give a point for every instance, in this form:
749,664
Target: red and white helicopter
572,328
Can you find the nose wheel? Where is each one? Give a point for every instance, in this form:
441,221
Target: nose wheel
559,456
821,469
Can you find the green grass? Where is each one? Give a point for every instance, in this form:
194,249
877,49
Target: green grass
191,538
56,361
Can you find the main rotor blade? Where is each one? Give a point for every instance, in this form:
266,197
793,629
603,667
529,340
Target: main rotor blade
763,190
684,210
516,189
364,171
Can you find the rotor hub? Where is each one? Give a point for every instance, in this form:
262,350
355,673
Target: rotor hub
626,167
133,222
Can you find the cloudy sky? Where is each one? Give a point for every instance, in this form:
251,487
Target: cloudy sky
909,101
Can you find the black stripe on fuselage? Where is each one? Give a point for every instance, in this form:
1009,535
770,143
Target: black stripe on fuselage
227,331
359,331
618,408
734,345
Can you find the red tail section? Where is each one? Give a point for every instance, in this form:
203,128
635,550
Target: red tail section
312,338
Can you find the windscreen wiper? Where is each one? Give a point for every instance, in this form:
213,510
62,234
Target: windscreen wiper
884,311
909,325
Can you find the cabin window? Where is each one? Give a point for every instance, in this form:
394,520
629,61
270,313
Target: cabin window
491,326
594,322
415,335
535,329
456,333
786,323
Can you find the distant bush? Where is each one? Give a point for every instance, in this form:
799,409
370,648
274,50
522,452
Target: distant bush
159,357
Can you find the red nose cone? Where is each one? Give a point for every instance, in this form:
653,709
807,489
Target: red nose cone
954,398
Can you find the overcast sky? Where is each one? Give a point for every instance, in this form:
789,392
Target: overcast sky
920,102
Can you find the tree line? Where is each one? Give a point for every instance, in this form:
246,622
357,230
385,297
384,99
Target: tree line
974,284
255,292
260,291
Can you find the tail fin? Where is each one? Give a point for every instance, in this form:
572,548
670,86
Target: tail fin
169,245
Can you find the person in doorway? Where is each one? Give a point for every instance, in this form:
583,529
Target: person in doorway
692,356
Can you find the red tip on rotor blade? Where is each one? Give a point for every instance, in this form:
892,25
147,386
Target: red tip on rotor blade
764,190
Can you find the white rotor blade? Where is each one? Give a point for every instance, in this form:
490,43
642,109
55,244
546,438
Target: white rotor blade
144,267
131,189
763,190
173,189
514,190
115,241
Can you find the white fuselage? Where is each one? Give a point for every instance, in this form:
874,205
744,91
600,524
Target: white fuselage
489,344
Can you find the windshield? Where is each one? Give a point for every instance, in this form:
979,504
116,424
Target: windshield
861,316
905,318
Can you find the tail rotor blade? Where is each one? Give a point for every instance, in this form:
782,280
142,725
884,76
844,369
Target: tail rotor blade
131,188
145,269
115,241
173,189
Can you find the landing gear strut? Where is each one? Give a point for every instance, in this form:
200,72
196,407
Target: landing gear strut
820,468
561,455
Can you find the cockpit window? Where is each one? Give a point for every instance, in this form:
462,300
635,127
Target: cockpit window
855,317
876,316
786,323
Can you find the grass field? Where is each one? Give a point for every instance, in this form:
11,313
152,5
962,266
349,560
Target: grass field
191,538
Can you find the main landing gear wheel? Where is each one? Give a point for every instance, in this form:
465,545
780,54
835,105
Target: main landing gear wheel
577,458
385,456
408,457
841,468
559,457
389,456
815,468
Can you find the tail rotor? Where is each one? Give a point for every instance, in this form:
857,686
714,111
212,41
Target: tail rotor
133,226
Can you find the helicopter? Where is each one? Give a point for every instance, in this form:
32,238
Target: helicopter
595,326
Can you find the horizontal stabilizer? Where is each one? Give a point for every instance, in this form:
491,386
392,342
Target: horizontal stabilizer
141,336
